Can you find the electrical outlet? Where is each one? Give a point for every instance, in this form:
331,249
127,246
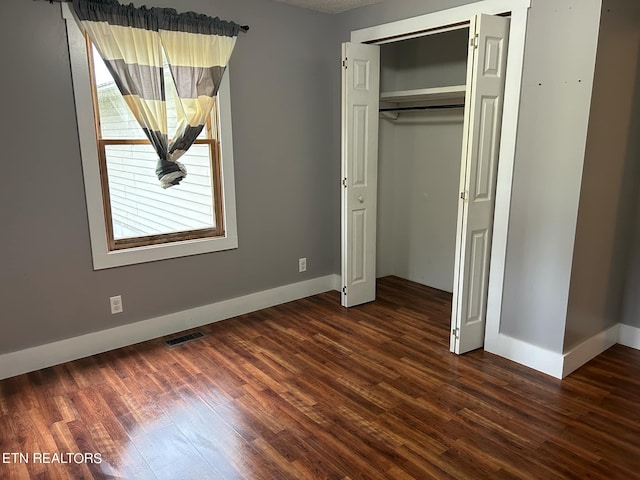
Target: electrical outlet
116,304
302,264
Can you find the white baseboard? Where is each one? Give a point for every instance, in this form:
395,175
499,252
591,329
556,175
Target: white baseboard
629,336
589,349
552,363
526,354
43,356
560,365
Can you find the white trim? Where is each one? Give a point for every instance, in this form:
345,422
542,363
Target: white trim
451,28
529,355
506,160
102,257
437,20
629,336
560,365
43,356
590,349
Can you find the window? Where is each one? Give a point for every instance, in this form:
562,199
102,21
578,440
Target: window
119,172
138,212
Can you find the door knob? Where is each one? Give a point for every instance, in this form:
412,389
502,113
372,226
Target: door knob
360,198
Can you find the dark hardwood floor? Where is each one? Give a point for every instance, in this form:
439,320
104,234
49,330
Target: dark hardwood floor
309,390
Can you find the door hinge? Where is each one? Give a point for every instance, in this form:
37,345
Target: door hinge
344,182
344,290
455,332
344,63
473,41
464,195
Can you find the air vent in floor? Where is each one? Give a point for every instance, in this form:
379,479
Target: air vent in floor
172,342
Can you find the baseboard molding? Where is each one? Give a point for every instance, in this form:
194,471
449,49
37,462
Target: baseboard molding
590,349
552,363
43,356
526,354
560,365
629,336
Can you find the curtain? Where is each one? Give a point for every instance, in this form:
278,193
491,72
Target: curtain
131,42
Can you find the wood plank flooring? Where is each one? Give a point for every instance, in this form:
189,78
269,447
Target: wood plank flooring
309,390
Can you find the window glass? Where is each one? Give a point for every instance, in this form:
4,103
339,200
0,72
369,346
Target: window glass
116,120
139,207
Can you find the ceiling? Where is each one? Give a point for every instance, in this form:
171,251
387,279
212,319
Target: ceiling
329,6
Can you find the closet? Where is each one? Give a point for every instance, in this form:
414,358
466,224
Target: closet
421,133
422,89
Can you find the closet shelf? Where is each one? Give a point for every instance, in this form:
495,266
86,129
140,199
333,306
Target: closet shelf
440,94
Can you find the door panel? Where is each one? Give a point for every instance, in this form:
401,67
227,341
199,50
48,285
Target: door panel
359,160
487,158
358,260
360,97
477,276
483,119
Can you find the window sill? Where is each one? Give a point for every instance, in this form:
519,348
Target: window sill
130,256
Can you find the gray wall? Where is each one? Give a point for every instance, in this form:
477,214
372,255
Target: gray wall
608,199
282,83
419,177
629,36
631,312
425,62
286,111
557,83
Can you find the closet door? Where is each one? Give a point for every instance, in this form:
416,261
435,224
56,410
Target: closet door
483,119
360,98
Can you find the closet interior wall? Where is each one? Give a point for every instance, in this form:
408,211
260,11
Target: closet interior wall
419,162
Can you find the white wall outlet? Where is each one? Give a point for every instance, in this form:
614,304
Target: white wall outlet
116,304
302,264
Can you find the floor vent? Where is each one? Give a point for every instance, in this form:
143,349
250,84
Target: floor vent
172,342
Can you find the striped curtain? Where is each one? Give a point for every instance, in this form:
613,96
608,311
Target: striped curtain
131,42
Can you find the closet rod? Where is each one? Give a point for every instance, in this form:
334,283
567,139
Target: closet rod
426,107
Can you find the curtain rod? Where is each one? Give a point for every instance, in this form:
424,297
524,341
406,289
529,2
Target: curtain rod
243,27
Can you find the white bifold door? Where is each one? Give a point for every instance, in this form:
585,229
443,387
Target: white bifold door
360,98
482,124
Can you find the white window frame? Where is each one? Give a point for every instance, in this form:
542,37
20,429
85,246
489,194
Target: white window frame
102,256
